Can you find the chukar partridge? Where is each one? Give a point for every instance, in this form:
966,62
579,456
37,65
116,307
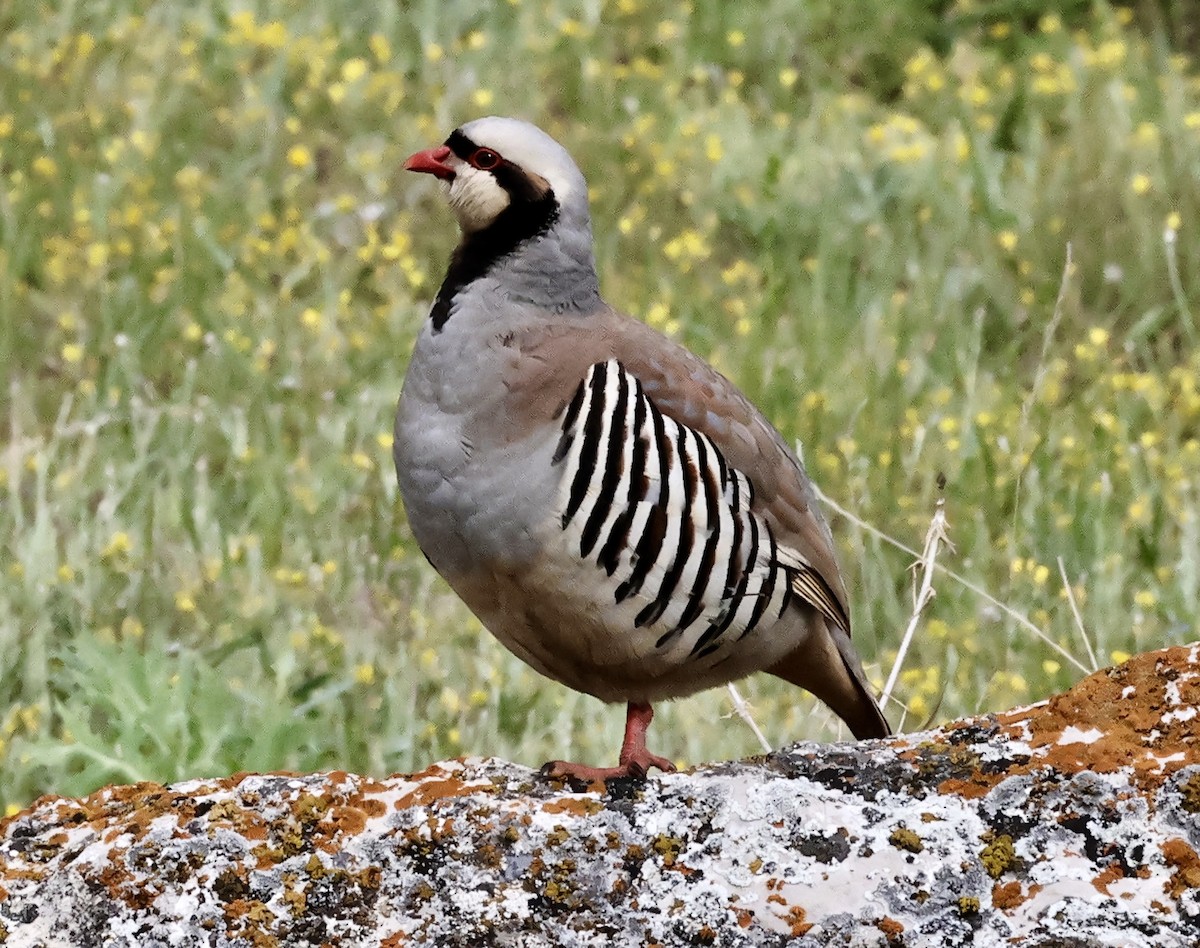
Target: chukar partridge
610,506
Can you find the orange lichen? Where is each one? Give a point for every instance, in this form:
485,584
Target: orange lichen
1112,873
437,783
1121,718
349,820
1009,895
973,789
372,807
1185,865
796,920
892,929
574,806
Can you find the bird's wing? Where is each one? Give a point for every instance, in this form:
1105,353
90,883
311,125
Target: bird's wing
555,357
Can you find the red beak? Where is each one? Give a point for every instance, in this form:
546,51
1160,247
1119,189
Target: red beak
430,161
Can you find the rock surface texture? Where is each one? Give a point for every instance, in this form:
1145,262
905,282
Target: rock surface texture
1070,823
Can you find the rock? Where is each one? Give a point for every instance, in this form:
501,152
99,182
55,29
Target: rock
1069,823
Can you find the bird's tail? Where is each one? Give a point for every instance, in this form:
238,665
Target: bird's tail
828,666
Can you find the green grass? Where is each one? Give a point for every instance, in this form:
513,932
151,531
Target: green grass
212,271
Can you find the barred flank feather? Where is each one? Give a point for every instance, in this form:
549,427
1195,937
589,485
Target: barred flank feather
658,509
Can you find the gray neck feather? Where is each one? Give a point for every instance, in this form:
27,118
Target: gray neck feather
555,270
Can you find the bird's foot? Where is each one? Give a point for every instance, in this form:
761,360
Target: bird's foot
634,761
636,766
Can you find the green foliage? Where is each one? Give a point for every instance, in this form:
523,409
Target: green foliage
211,273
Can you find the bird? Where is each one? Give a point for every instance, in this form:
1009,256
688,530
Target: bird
611,507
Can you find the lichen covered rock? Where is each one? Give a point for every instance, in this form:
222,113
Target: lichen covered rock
1072,822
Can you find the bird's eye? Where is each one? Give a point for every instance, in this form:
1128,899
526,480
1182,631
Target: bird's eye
485,159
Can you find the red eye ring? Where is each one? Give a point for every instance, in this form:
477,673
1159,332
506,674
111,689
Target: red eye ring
485,159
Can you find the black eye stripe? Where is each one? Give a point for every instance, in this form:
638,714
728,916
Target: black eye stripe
513,179
468,151
462,146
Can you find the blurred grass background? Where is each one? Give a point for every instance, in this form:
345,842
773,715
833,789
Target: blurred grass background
212,271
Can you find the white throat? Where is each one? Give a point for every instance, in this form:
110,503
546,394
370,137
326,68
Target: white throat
475,197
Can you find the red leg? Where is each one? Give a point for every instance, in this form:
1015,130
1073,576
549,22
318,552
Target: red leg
635,759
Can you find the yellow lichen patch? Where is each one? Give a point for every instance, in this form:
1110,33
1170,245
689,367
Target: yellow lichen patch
904,838
1190,789
247,919
240,817
998,856
668,847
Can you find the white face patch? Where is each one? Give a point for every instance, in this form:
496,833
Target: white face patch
531,149
475,197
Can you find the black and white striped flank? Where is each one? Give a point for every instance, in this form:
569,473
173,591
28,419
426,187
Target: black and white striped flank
656,507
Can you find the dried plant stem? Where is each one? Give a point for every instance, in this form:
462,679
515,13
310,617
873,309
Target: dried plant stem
935,537
742,710
1009,611
1087,641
